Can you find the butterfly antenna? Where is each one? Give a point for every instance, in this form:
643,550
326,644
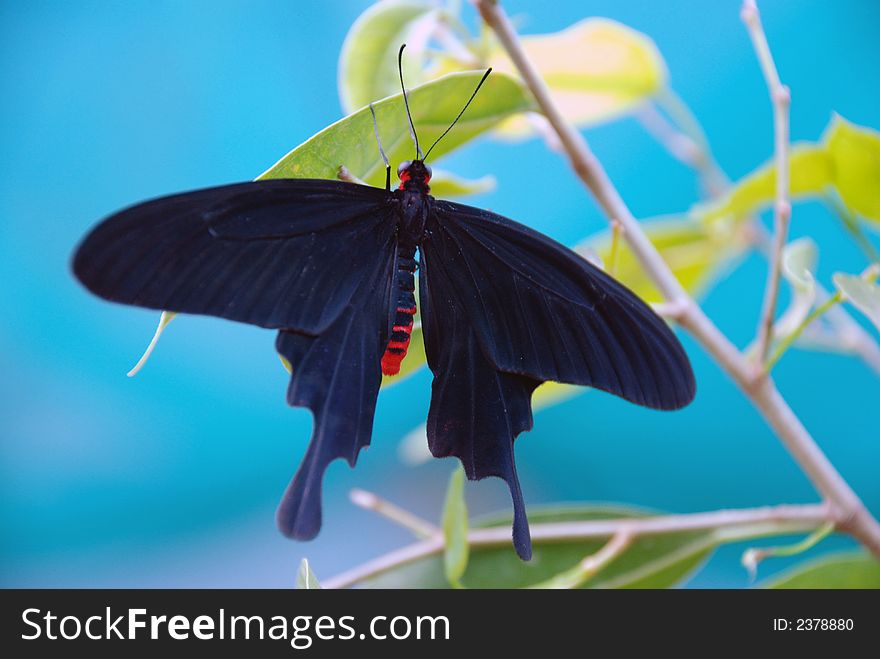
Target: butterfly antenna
412,128
454,121
381,150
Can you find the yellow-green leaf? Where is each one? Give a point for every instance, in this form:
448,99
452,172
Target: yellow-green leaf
844,570
597,69
351,141
855,155
846,160
811,172
368,61
551,393
455,528
445,184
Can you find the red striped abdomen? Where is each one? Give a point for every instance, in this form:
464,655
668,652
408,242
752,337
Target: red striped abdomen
403,317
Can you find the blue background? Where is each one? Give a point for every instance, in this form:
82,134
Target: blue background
171,478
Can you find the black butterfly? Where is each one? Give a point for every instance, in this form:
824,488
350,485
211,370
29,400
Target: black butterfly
330,265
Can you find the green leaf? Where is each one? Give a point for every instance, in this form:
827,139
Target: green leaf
305,578
695,252
434,105
811,172
855,156
455,529
368,61
862,294
650,562
445,184
597,69
843,570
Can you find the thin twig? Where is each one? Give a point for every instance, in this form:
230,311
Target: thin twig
616,230
369,501
763,393
775,520
780,98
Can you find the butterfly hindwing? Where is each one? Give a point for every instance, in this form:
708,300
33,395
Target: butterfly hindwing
476,410
284,253
336,375
504,309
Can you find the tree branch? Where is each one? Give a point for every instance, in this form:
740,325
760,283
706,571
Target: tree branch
780,98
777,520
854,517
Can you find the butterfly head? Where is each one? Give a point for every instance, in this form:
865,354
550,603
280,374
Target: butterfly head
414,175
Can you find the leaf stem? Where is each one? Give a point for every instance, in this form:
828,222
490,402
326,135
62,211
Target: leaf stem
590,565
763,393
751,557
795,334
369,501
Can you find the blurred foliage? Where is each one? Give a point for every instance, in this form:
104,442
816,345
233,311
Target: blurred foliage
846,160
368,61
862,293
455,529
650,562
848,570
614,71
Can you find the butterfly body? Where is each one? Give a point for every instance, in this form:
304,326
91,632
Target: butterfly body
412,207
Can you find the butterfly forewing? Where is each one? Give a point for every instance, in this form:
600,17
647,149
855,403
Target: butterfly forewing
279,254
